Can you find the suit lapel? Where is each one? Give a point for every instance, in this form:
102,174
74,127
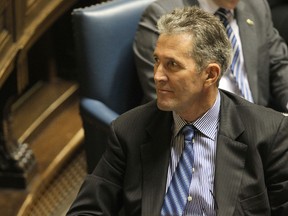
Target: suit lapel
155,159
246,22
230,158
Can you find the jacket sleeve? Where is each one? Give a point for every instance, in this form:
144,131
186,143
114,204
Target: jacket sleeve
277,171
101,191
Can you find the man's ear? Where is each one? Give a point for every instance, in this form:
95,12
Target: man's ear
213,74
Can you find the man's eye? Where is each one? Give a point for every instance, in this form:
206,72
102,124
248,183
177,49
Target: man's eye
172,64
156,60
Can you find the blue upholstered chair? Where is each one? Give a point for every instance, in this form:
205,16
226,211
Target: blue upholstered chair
108,80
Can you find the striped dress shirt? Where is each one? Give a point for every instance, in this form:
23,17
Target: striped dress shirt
201,195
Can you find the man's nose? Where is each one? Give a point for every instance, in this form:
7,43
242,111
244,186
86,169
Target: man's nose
159,73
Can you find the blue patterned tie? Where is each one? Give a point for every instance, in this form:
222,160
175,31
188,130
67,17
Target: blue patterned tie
177,194
236,72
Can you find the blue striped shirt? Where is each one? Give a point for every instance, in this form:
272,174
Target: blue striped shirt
201,188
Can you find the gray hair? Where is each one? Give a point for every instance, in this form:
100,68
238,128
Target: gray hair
210,42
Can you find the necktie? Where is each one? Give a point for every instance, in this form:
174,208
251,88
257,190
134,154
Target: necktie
236,72
177,194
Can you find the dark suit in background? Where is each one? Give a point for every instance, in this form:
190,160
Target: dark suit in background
265,52
279,9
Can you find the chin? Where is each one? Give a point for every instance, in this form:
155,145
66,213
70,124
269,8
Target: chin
164,105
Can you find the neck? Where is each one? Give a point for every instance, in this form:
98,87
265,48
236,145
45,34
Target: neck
199,108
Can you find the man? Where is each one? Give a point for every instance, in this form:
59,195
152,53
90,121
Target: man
263,53
238,155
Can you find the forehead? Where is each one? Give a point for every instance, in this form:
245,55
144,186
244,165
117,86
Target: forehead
174,44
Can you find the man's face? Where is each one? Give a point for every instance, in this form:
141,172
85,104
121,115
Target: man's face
179,86
227,4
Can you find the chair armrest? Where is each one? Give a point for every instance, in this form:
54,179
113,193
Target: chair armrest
95,112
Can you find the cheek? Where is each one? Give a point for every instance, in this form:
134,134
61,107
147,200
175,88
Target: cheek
193,86
186,87
185,82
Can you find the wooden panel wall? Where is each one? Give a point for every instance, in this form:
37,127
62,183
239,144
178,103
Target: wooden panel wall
36,46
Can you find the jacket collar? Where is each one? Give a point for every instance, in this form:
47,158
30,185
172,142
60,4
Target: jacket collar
155,159
230,157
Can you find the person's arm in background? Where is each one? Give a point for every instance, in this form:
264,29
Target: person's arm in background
144,44
278,65
276,171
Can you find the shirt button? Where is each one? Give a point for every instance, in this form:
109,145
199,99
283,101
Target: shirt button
189,198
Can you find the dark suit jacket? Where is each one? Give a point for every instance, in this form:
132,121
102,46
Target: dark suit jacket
265,52
251,176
